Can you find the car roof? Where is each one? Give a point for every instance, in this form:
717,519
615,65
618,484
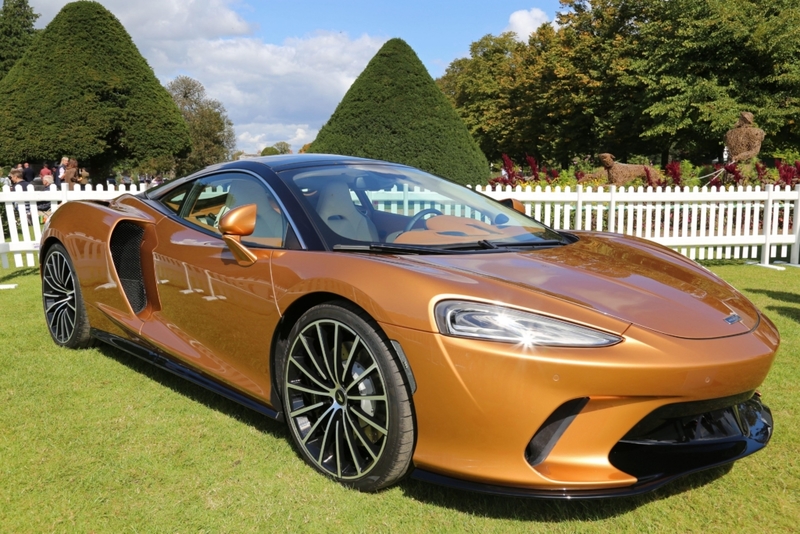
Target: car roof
288,161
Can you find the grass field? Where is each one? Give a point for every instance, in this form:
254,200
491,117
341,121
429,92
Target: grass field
97,441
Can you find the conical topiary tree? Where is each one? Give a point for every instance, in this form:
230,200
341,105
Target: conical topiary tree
394,111
83,90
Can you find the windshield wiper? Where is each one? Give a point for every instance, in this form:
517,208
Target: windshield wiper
530,244
500,246
453,248
394,249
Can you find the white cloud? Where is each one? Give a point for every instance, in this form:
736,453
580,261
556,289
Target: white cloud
272,92
260,135
525,22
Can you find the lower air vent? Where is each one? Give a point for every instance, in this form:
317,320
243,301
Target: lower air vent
126,243
551,430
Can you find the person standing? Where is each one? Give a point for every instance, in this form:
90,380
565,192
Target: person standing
44,206
16,179
61,170
27,172
45,171
71,175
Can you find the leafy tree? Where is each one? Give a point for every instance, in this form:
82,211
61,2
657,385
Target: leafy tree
646,77
480,88
211,131
270,151
83,90
704,62
283,147
16,32
394,111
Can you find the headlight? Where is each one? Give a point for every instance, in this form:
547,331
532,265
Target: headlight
497,323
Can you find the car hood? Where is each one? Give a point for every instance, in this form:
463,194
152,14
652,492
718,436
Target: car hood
630,279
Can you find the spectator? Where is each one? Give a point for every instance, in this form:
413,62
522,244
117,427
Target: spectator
71,175
45,171
61,170
16,179
27,172
44,206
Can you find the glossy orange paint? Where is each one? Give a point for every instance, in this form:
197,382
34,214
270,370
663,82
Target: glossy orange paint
478,403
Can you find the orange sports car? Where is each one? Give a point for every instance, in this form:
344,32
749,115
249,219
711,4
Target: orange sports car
402,324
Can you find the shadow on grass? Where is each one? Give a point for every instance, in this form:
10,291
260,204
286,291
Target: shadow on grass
197,393
548,510
783,296
499,507
20,272
790,313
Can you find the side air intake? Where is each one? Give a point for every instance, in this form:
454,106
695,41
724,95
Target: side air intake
126,244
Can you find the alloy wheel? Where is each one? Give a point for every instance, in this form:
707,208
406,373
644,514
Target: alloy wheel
336,399
58,290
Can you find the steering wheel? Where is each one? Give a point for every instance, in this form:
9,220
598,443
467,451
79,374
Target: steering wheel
417,216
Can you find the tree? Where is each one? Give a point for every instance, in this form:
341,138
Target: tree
82,89
705,62
479,87
16,32
283,147
211,131
394,111
647,77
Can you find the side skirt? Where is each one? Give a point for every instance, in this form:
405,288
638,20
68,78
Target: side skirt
150,356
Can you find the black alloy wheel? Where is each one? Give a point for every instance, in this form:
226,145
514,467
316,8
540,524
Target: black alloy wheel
64,309
345,398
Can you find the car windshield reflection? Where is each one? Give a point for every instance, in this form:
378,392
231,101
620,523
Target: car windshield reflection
404,207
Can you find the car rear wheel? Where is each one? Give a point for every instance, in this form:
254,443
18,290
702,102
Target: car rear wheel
63,304
345,398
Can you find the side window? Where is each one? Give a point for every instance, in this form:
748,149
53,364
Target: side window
214,196
174,200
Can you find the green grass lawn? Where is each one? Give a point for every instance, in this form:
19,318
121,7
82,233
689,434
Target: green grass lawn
97,441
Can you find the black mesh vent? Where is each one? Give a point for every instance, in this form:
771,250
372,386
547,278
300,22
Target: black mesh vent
126,243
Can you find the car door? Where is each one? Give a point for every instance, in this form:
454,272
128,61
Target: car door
218,312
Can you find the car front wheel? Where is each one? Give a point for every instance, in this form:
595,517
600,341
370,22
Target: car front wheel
345,398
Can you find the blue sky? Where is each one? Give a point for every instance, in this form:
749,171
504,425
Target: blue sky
438,31
281,67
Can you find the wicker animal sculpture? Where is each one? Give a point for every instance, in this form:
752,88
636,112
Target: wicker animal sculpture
744,140
622,173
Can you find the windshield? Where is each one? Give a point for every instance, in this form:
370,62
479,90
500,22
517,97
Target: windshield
383,204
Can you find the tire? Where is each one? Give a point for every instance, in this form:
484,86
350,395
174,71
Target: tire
64,309
345,398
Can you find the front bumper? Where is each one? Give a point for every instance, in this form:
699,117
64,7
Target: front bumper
478,405
670,443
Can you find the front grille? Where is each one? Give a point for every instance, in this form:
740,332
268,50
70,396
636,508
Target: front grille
678,438
126,243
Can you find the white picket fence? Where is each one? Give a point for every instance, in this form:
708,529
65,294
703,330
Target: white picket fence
19,210
703,224
750,223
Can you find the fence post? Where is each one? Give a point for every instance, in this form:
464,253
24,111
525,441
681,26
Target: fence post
767,222
612,211
579,209
795,257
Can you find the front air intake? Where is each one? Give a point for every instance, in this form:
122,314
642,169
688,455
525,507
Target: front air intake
126,244
551,430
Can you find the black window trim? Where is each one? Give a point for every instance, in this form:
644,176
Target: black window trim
190,195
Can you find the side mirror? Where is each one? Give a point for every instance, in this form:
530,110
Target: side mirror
514,204
235,224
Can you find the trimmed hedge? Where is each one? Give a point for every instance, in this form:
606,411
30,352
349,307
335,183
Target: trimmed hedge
83,90
394,111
